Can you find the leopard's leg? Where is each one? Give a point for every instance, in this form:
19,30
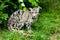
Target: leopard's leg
20,25
28,25
10,27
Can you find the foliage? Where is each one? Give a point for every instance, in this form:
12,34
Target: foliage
3,16
7,7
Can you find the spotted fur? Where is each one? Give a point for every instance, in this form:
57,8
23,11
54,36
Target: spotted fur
20,18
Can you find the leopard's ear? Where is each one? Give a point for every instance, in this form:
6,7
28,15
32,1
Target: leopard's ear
38,8
30,9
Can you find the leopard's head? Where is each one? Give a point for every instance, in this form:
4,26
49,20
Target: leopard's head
34,12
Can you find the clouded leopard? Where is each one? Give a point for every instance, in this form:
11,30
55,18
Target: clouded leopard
20,18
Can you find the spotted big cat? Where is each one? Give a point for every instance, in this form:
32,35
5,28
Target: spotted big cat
20,18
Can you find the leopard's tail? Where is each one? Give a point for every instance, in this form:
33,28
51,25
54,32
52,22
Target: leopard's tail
21,32
25,34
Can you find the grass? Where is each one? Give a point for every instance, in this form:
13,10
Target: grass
47,25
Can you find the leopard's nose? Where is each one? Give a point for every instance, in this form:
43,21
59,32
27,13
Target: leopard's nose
34,17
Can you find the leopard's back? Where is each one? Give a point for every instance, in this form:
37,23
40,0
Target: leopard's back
14,19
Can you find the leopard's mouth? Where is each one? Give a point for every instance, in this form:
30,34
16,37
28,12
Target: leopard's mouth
33,17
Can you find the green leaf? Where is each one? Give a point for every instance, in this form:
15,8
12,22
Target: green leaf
0,21
20,1
5,16
24,9
7,0
2,6
33,2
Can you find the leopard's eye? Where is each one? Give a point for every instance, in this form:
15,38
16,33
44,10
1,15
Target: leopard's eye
36,12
